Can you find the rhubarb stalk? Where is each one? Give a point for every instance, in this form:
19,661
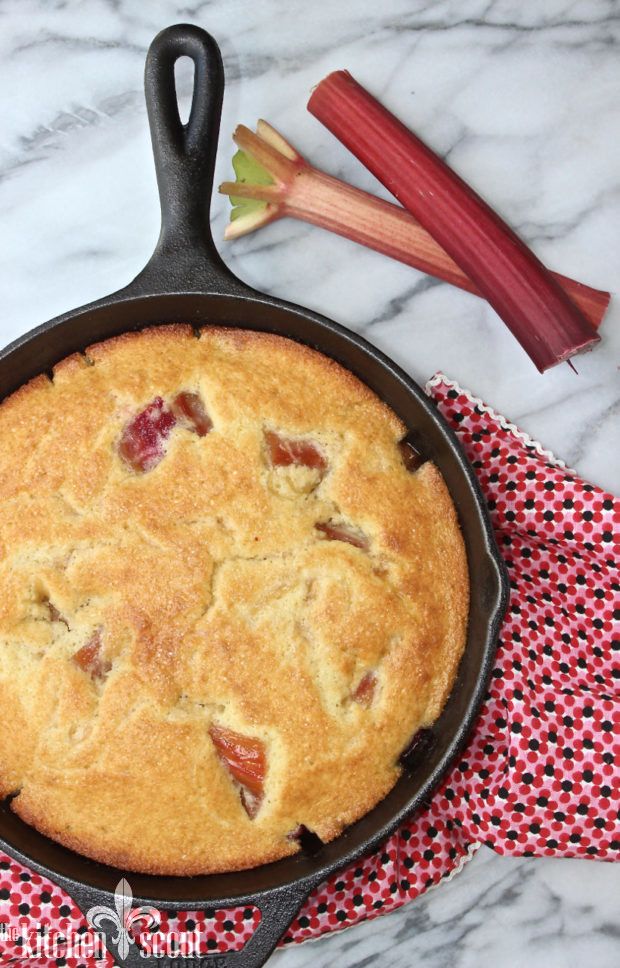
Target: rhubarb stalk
274,180
549,326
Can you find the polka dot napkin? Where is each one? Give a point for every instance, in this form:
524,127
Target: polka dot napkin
541,772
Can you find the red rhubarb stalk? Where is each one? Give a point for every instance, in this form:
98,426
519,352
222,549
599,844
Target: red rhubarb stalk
282,183
543,318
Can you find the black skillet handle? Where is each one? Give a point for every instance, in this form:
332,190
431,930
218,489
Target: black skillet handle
185,259
278,909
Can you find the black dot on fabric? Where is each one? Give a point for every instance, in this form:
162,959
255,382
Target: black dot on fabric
4,894
552,843
304,922
583,809
588,776
428,855
372,876
607,536
229,926
408,863
24,908
211,943
190,924
605,791
575,838
339,885
512,835
65,910
358,870
527,778
549,706
24,876
567,786
599,823
549,770
340,916
535,828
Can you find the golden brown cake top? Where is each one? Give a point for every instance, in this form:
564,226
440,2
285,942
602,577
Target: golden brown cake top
226,605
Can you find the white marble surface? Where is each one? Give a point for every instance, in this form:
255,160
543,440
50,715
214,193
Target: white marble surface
524,95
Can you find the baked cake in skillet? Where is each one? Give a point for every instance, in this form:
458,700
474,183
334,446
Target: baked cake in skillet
227,599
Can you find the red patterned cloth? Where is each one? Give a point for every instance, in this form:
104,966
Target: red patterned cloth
541,773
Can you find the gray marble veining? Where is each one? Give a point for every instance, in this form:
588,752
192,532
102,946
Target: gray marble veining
524,98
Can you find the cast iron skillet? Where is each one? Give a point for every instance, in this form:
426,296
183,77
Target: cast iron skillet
185,280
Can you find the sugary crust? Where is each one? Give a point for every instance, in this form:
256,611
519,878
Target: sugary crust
217,601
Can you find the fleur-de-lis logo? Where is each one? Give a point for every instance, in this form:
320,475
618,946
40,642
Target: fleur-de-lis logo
124,918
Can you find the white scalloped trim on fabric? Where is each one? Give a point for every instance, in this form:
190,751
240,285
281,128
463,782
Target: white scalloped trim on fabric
470,850
524,438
